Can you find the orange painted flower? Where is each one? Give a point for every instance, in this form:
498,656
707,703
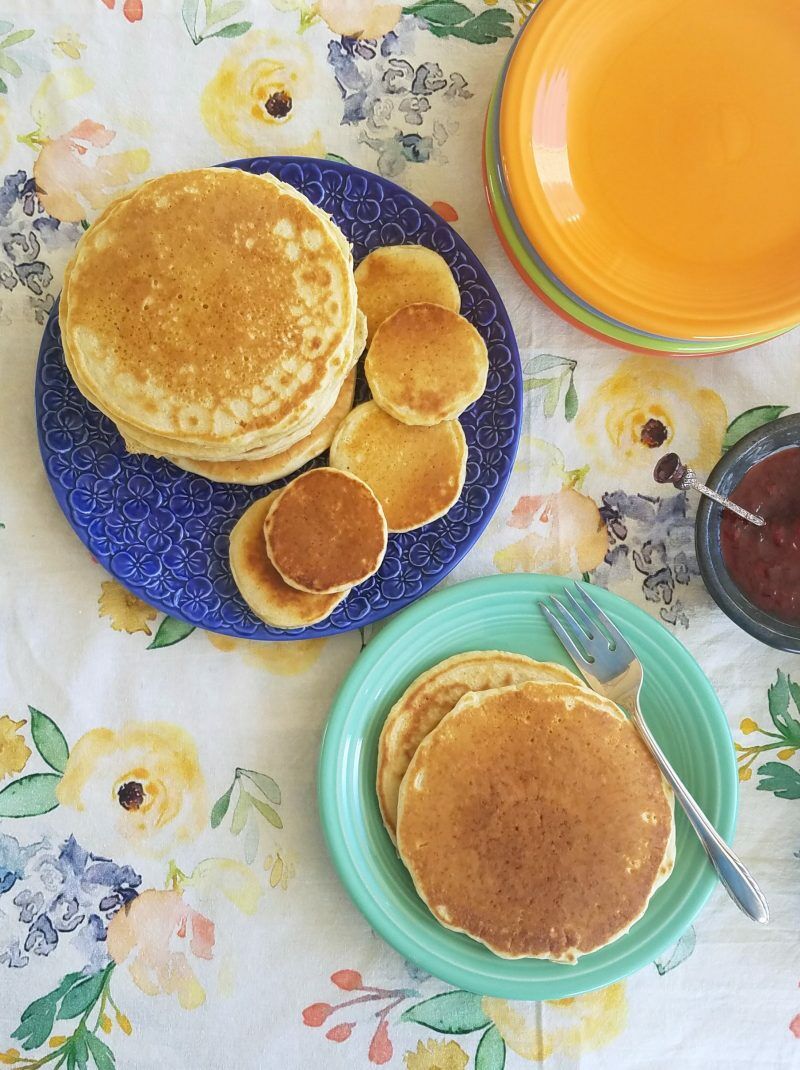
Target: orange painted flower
157,935
74,176
566,535
360,18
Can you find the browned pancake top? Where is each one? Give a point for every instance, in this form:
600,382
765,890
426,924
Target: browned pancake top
426,364
416,472
260,584
535,820
326,531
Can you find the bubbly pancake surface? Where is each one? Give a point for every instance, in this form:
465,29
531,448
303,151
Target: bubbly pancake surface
267,594
265,470
211,306
416,473
433,695
398,275
534,819
326,532
426,364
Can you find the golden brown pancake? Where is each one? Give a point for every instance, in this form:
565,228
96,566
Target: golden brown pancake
326,532
535,820
257,472
416,473
274,601
433,695
212,308
398,275
426,364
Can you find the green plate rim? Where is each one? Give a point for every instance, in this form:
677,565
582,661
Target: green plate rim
330,779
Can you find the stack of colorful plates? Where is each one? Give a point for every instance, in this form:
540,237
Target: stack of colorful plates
642,163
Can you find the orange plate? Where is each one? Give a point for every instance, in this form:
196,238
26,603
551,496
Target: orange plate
652,152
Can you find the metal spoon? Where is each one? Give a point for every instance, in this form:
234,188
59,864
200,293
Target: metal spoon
670,469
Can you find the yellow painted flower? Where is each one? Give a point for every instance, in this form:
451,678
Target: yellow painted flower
216,877
141,783
566,535
126,612
646,408
567,1027
14,751
282,659
748,725
157,935
436,1055
265,98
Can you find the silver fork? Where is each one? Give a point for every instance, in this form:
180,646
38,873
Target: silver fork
612,669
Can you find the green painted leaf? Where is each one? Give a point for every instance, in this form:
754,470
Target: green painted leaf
10,65
337,157
189,16
36,1023
170,631
266,811
241,812
486,28
30,795
441,12
571,401
535,383
236,29
266,784
794,691
85,224
251,838
544,362
778,701
101,1053
780,779
491,1051
16,37
80,1051
224,11
3,86
82,996
220,808
49,740
678,953
450,1012
748,421
551,396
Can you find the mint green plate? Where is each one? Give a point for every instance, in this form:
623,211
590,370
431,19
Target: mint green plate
499,612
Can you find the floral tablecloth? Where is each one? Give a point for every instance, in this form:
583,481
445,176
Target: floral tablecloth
165,895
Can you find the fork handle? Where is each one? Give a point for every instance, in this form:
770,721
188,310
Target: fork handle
737,881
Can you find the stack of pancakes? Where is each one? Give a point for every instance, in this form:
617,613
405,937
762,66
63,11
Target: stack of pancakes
526,808
212,315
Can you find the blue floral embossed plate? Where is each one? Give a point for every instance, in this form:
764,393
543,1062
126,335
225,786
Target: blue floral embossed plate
163,533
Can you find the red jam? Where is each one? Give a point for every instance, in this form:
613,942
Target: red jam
764,562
